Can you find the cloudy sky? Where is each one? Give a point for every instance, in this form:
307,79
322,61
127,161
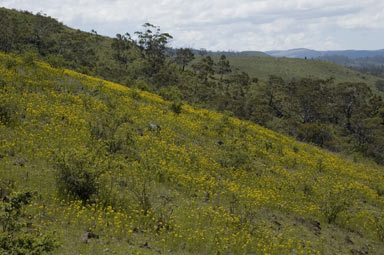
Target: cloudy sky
227,24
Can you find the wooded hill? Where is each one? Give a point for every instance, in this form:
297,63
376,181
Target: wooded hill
313,101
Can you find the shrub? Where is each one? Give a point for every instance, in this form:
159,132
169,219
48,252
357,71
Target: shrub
29,58
142,85
176,107
380,85
171,93
8,113
55,61
5,116
15,237
313,133
380,227
336,202
115,131
78,174
10,62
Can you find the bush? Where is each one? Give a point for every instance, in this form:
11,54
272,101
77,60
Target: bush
336,202
8,113
15,238
78,174
314,133
55,61
10,62
380,227
380,85
142,85
115,131
176,107
5,115
29,58
171,93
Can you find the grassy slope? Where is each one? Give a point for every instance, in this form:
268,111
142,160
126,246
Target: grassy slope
262,67
215,185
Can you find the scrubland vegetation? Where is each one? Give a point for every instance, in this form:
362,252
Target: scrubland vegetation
342,110
88,166
108,169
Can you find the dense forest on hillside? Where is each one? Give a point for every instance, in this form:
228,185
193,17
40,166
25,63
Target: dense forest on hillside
343,116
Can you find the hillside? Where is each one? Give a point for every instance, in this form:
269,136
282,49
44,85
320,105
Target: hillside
367,62
25,32
93,54
118,170
275,93
287,68
203,52
307,53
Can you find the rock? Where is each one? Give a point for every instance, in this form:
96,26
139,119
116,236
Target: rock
88,235
19,162
145,245
310,224
356,252
84,238
92,235
349,240
277,223
316,226
154,126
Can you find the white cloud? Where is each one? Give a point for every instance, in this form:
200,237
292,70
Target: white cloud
227,24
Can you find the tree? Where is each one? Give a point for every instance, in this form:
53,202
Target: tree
184,57
121,45
6,37
380,85
274,95
308,99
204,68
351,99
223,67
152,45
237,92
203,52
43,28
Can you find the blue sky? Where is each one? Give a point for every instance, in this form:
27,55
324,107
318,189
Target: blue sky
227,24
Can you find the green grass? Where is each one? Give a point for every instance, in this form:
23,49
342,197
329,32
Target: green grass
190,181
289,68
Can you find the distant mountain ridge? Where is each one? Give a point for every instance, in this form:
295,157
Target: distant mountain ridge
308,53
204,52
294,53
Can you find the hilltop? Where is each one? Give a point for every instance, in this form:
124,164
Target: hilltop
115,169
308,53
293,68
203,52
364,61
